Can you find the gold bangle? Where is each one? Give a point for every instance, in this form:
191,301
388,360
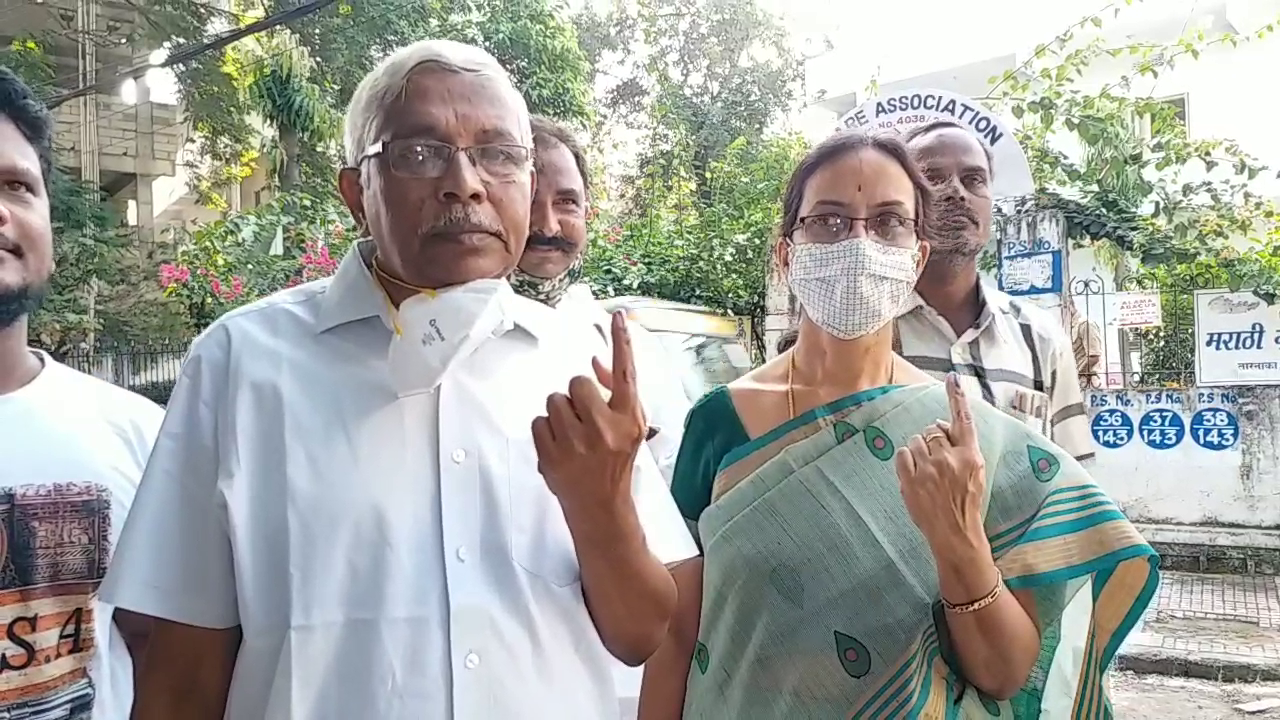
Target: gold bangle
980,603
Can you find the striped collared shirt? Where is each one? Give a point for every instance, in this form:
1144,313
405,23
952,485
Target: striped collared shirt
1017,356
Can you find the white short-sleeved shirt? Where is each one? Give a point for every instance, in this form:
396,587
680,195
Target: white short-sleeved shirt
72,449
386,558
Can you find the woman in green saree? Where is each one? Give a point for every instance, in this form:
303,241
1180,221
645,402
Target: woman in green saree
875,546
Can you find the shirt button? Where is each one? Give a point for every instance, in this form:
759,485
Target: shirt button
459,455
472,661
462,554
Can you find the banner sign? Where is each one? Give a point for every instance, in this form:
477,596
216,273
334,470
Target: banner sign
1237,339
908,110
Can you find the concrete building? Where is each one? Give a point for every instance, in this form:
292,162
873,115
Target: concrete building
123,147
133,140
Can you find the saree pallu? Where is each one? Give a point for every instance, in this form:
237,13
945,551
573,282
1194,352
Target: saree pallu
819,593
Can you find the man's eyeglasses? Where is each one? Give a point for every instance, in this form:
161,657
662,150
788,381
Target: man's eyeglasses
427,159
887,228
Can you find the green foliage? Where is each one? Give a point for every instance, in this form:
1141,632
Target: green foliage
1142,188
26,57
219,266
297,79
102,290
531,38
157,392
282,91
695,76
714,254
1140,182
1167,351
704,80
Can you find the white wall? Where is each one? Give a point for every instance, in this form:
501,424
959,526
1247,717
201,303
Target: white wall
1189,484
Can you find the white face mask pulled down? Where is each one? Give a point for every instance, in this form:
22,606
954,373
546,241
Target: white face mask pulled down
435,331
853,287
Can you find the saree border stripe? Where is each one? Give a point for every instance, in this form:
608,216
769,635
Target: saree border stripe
1067,495
746,459
1063,558
1064,507
895,686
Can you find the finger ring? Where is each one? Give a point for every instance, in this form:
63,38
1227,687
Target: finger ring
934,436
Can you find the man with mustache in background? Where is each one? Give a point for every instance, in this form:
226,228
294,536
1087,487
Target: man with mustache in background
551,268
1012,352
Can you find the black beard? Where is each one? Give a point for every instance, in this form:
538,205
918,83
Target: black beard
955,238
18,303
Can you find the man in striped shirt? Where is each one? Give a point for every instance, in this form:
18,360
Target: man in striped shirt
1016,355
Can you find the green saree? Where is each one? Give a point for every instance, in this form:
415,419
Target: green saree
819,593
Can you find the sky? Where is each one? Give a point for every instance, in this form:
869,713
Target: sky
906,38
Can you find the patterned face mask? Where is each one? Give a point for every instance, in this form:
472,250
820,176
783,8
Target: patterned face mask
546,290
853,287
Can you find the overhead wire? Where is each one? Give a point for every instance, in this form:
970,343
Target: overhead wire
77,37
258,61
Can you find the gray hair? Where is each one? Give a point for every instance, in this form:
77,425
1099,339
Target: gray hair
386,82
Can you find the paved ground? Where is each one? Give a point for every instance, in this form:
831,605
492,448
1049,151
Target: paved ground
1217,627
1155,697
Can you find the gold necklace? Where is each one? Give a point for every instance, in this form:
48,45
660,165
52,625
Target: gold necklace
791,388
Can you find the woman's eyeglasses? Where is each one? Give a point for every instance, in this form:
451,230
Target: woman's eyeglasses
887,228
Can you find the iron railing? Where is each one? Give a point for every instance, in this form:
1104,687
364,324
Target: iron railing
1150,357
150,371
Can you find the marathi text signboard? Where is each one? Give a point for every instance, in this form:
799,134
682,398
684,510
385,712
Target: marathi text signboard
908,110
1237,339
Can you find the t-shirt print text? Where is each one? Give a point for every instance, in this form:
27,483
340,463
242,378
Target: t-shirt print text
436,335
55,543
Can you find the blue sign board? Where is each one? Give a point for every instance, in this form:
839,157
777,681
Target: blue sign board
1162,429
1032,273
1215,429
1112,428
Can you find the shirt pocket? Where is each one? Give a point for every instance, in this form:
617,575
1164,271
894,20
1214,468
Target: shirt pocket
540,539
1031,408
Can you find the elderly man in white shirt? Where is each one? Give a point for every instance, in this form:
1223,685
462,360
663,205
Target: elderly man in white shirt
551,268
396,494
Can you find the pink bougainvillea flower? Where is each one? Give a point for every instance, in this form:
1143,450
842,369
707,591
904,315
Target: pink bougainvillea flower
171,274
316,262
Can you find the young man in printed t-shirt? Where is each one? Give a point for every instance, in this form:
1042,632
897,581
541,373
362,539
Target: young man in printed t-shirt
72,449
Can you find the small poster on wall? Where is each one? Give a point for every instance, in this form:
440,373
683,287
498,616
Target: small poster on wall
1137,310
1237,339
